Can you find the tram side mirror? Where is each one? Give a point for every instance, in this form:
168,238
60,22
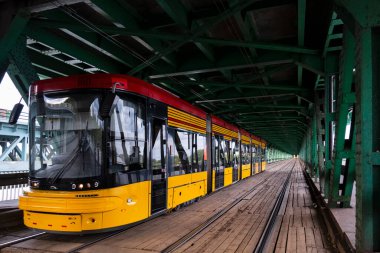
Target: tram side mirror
107,104
15,114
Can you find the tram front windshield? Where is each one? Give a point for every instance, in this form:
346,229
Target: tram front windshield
66,137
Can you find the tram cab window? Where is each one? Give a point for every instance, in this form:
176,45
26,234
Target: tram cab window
128,138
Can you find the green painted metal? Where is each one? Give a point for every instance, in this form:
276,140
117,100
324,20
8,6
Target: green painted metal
344,103
367,111
20,68
224,15
78,51
167,36
9,38
120,15
301,11
55,67
365,12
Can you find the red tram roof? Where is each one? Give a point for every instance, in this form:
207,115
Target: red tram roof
123,82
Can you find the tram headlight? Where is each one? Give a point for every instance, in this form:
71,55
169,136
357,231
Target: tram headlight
34,184
96,184
88,185
80,186
73,186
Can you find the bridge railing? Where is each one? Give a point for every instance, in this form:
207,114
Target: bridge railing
12,183
4,116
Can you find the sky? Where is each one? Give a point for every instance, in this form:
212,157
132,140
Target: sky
9,95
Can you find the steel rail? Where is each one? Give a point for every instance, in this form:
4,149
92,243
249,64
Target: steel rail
10,243
211,220
107,236
273,216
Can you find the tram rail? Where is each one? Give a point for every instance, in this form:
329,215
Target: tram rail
90,240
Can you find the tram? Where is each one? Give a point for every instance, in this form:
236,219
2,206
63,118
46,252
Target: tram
107,151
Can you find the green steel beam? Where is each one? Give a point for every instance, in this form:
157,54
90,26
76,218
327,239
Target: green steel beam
365,12
167,36
55,66
117,13
105,45
229,61
344,103
177,11
272,86
75,50
224,15
10,34
20,68
301,33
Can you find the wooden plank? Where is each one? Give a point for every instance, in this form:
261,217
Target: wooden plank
291,245
301,240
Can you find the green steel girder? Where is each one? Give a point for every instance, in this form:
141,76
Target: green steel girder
20,68
228,61
117,13
55,66
245,109
202,29
105,45
367,145
312,63
343,106
177,11
11,35
365,12
166,36
76,50
256,86
301,11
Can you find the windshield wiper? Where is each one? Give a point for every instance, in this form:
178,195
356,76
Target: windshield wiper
81,148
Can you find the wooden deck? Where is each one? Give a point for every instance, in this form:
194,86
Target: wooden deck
238,230
301,230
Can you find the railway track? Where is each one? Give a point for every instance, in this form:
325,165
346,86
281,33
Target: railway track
265,235
78,244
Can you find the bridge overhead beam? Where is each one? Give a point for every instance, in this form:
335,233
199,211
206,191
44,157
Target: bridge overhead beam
13,21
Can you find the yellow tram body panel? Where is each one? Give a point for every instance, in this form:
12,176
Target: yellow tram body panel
246,171
183,188
86,210
227,176
213,179
264,164
256,168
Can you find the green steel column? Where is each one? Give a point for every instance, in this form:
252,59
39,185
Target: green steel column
331,66
314,153
368,140
345,101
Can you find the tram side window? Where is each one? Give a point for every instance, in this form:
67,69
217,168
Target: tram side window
216,156
226,153
201,152
235,152
128,144
186,152
254,153
245,154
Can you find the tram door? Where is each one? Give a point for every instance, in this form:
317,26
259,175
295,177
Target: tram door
158,164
